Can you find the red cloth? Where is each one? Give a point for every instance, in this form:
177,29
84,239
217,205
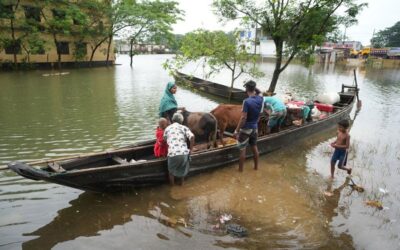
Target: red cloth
161,147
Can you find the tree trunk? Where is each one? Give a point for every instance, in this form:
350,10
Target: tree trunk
92,55
131,51
14,41
13,35
58,52
232,82
108,49
278,63
59,61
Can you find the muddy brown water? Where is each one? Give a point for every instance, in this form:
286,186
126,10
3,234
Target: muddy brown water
282,205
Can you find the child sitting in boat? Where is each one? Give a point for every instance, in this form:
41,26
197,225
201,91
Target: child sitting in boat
341,146
161,147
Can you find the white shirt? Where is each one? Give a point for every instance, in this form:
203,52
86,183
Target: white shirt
176,136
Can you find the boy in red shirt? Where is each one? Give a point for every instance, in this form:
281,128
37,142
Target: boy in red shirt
161,147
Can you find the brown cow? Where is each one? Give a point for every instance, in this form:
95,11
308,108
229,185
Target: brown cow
228,117
202,124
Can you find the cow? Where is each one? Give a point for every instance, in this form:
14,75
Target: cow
202,124
228,117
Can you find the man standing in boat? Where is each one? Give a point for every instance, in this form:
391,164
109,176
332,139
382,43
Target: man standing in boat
176,136
246,131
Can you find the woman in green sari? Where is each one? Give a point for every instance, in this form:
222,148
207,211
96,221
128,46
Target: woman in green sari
168,104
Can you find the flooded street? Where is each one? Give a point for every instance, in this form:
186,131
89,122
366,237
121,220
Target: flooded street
282,204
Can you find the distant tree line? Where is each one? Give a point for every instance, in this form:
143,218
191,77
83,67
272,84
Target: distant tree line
91,23
389,37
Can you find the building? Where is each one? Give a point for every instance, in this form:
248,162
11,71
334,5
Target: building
256,42
346,45
31,37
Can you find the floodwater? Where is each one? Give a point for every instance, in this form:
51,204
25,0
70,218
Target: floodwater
44,114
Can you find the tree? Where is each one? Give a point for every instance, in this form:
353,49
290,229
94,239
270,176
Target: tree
389,37
8,12
295,26
93,29
32,42
176,42
218,50
150,21
65,16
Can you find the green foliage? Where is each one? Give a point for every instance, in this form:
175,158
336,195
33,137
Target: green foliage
293,25
175,43
80,50
151,21
218,50
389,37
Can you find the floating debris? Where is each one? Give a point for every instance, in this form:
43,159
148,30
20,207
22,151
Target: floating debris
163,237
216,226
224,218
56,74
164,204
236,230
383,191
356,187
376,204
182,222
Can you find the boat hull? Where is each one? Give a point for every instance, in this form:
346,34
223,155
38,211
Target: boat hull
154,172
210,88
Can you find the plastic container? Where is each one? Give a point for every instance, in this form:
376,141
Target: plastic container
297,103
324,107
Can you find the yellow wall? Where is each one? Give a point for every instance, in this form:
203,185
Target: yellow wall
50,49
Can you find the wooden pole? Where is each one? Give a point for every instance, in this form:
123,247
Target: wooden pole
359,103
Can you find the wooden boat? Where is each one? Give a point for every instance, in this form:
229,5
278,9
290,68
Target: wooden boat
107,171
212,88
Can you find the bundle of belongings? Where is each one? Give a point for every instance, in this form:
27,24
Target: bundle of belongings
299,112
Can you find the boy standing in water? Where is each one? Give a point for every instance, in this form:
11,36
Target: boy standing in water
341,146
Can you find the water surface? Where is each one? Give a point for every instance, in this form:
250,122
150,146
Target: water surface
43,114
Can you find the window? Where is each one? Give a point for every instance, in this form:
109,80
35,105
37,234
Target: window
13,47
6,11
63,48
59,14
81,48
32,13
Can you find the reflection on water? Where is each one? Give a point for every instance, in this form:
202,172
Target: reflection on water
282,205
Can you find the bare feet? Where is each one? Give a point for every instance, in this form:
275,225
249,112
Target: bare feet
349,170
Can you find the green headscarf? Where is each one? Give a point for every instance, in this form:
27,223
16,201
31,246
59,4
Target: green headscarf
168,101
